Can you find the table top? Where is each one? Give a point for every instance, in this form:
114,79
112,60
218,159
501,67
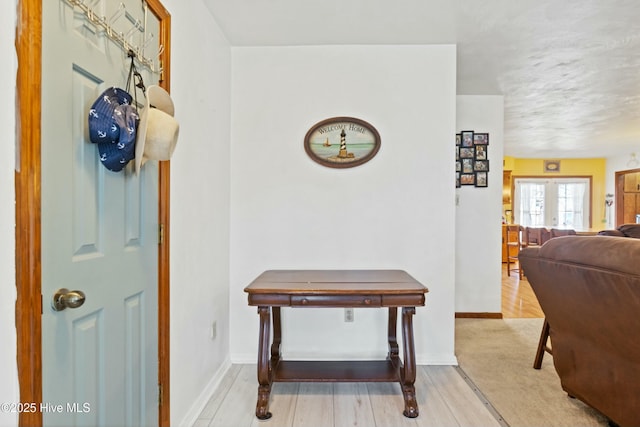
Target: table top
338,282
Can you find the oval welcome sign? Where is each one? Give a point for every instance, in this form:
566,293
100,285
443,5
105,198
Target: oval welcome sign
342,142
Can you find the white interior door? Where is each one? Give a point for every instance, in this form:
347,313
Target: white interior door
99,231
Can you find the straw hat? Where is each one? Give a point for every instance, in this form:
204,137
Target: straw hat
158,129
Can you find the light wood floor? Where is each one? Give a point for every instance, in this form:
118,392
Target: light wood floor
444,399
518,299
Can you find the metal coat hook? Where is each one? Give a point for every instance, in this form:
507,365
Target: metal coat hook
128,47
146,42
117,14
160,51
136,27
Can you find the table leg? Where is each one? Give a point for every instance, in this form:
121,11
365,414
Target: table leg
394,351
264,368
277,337
408,372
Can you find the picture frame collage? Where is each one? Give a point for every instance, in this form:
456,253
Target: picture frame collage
472,159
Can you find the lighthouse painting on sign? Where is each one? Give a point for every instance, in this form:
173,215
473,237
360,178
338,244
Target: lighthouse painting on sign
342,142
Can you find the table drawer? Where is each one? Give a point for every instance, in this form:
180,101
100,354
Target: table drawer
336,301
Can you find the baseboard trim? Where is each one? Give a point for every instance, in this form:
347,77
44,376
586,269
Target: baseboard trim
463,315
201,401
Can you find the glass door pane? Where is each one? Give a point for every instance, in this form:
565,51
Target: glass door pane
559,202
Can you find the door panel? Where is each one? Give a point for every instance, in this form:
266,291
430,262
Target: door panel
99,233
632,182
88,178
88,365
631,207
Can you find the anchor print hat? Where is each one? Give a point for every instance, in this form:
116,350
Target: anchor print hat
113,122
158,131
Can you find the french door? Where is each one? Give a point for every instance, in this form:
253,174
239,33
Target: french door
557,202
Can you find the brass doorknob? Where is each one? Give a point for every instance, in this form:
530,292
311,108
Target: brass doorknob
64,298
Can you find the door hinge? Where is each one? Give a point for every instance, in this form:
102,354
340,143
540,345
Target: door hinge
160,234
160,395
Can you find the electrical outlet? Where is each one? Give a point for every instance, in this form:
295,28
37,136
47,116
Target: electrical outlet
348,314
213,331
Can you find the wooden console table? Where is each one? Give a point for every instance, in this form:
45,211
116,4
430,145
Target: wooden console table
274,289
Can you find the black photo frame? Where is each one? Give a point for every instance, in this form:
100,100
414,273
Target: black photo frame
472,158
480,138
482,179
481,165
467,152
467,179
466,138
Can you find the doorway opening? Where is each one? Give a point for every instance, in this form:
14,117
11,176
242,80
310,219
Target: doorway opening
627,197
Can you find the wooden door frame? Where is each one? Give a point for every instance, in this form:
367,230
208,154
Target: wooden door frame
29,300
619,182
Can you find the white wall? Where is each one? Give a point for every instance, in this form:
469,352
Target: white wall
478,214
396,211
9,384
200,88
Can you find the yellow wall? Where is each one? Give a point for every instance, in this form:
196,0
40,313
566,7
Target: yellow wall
596,168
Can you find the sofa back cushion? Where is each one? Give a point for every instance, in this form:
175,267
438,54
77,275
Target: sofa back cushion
630,230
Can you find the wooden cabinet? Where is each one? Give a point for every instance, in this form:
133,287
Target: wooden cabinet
629,206
632,182
631,203
506,187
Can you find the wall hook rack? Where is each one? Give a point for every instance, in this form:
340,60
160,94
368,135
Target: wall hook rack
121,39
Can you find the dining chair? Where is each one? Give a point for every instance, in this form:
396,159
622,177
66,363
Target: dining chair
557,232
514,244
536,236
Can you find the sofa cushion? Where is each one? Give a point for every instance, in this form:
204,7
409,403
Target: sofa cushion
630,230
606,252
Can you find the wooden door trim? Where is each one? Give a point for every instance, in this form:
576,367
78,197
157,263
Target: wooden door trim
619,191
27,180
164,415
27,189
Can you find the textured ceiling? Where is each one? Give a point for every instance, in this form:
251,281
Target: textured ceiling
569,70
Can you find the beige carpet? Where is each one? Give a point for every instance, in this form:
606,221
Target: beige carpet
497,354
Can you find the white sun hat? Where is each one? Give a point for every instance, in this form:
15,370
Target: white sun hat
158,129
